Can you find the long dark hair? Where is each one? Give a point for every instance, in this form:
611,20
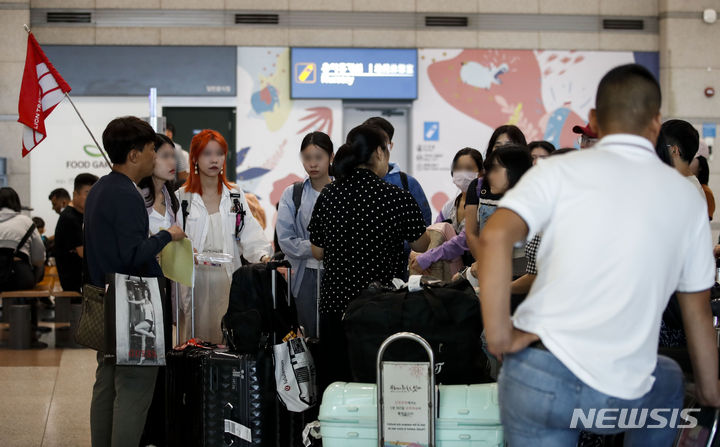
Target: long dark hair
147,182
10,199
473,153
515,159
513,132
362,142
703,174
662,151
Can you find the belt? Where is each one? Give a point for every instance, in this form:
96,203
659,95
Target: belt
538,345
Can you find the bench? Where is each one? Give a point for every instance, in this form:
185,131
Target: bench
18,311
63,302
66,312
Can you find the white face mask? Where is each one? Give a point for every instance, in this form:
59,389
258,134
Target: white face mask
462,179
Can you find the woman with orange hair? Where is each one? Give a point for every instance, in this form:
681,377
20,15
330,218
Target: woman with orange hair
218,222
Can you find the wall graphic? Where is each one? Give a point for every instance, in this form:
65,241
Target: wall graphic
271,125
462,96
465,94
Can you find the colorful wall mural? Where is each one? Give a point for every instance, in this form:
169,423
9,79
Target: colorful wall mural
465,94
270,125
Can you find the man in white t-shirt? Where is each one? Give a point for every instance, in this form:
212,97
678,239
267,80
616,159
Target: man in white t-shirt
621,232
683,141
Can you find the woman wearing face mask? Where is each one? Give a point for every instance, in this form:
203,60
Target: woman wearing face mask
316,153
358,229
467,166
220,225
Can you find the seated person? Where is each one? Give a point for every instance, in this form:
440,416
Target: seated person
25,267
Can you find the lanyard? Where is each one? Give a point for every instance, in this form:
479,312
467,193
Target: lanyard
240,213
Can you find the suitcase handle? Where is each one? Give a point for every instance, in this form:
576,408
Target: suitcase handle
274,265
432,394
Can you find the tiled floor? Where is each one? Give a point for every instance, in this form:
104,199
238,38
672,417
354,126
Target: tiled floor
45,394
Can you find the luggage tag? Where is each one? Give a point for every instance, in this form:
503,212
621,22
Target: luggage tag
240,213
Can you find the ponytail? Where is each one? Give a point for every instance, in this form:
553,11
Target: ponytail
344,161
361,143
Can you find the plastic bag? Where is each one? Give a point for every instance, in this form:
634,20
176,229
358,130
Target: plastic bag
295,375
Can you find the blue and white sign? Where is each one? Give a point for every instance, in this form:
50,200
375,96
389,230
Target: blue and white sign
709,130
353,73
431,131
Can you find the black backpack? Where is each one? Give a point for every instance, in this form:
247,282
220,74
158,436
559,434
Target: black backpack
7,256
251,317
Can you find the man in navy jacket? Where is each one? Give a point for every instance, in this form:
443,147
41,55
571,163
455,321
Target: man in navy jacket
116,241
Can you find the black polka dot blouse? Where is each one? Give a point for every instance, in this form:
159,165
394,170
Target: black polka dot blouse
361,222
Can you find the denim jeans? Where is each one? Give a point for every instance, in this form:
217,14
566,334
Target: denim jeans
538,395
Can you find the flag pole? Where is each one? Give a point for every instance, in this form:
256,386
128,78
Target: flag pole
102,151
88,129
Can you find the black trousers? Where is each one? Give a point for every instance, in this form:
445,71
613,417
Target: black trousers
334,362
156,424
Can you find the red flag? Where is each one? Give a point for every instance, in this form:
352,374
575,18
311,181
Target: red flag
42,89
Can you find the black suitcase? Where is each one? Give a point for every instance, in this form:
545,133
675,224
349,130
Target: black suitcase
215,397
219,398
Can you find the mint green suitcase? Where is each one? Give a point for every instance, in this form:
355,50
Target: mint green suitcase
348,415
469,416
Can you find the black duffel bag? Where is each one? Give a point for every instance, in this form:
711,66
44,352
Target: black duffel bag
447,315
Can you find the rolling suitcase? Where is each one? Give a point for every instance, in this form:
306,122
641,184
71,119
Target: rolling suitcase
217,397
468,416
220,398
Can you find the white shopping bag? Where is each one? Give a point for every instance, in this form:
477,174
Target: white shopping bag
295,376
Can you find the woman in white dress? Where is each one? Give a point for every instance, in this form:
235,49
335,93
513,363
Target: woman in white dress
161,204
219,224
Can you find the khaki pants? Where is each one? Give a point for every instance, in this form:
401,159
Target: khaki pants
120,402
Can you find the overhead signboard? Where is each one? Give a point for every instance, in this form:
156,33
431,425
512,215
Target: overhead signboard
116,70
353,73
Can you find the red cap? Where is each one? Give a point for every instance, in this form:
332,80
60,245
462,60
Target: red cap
584,130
